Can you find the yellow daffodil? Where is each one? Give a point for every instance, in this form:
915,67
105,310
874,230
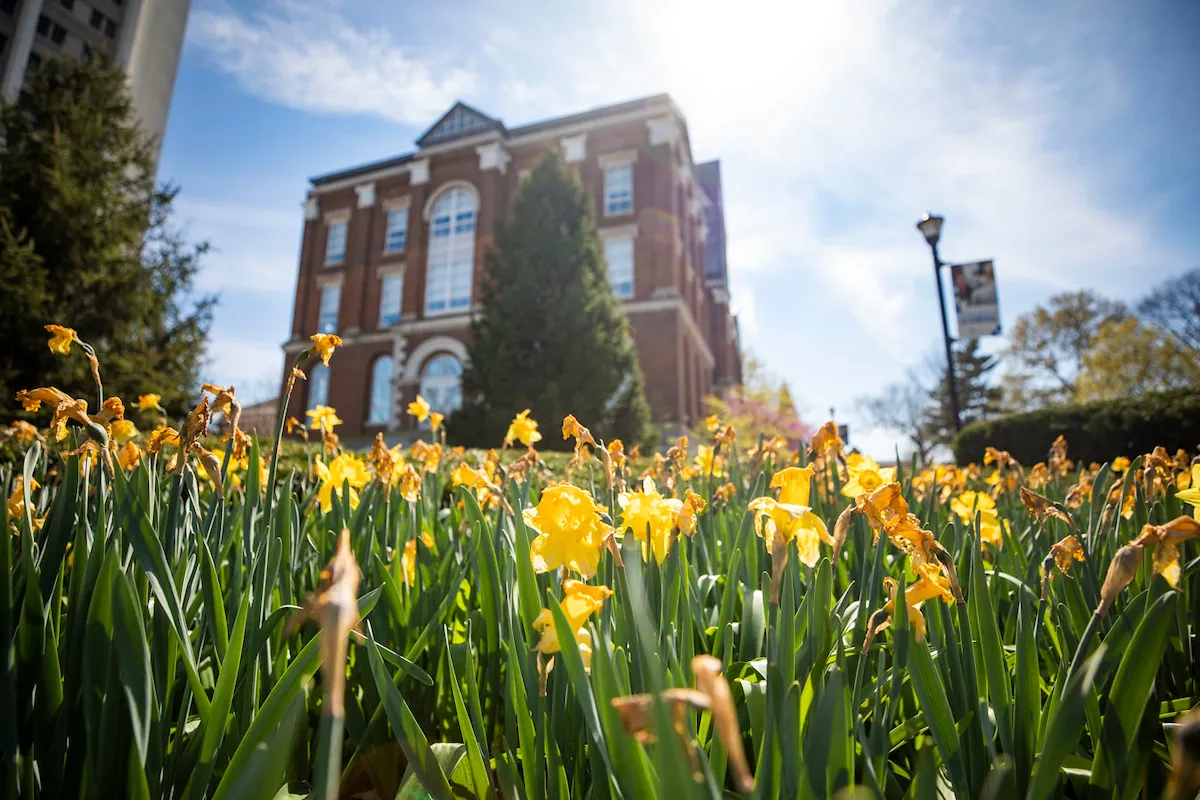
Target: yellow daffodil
344,469
324,344
1062,554
149,402
1120,464
708,462
123,430
967,504
930,584
570,531
1165,539
419,408
773,519
523,429
162,436
129,455
693,504
794,484
61,339
466,475
579,602
323,418
435,420
650,516
826,441
865,475
410,483
16,500
1191,497
430,455
408,561
616,454
20,431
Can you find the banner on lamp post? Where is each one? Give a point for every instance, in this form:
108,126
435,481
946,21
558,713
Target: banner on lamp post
975,299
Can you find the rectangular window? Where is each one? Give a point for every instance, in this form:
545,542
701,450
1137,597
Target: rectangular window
618,188
58,35
331,299
397,230
43,25
68,4
390,297
451,261
335,244
618,252
110,29
96,20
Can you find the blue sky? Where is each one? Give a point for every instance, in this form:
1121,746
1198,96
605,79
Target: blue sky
1058,138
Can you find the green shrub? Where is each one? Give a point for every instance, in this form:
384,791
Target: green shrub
1095,431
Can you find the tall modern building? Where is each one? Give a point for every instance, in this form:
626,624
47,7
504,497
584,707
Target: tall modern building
393,252
143,37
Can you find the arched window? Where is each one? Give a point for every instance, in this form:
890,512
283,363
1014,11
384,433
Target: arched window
318,386
441,383
451,265
380,412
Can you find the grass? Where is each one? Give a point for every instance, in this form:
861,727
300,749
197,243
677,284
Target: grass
148,651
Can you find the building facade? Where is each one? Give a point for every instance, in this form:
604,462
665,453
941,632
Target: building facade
393,251
143,37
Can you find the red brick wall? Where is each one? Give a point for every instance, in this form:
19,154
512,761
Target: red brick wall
668,252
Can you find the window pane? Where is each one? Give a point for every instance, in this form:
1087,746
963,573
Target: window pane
381,391
397,230
318,386
335,246
389,299
618,189
441,383
331,299
450,268
618,252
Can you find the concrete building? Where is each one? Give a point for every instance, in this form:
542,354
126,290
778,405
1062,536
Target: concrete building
143,37
392,254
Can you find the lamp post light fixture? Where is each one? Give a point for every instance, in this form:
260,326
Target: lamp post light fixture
931,227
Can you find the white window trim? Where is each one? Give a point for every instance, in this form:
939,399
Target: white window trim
616,158
415,362
614,231
450,186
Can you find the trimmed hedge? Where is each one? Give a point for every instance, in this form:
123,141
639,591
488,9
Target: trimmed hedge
1127,426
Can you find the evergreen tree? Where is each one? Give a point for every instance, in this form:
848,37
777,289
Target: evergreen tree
550,336
86,241
978,398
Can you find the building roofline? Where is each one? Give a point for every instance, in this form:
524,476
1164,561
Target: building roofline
646,103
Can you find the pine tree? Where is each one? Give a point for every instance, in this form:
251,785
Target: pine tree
86,241
550,335
978,399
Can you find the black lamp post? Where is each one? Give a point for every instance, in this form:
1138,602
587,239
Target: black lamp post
931,227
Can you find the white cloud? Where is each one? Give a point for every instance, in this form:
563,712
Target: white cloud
307,56
255,368
254,247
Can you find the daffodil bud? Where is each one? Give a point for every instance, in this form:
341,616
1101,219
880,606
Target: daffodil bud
97,434
1121,571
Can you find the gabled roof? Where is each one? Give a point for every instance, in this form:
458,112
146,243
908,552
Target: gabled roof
461,120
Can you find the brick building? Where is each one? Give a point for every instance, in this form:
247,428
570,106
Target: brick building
392,254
